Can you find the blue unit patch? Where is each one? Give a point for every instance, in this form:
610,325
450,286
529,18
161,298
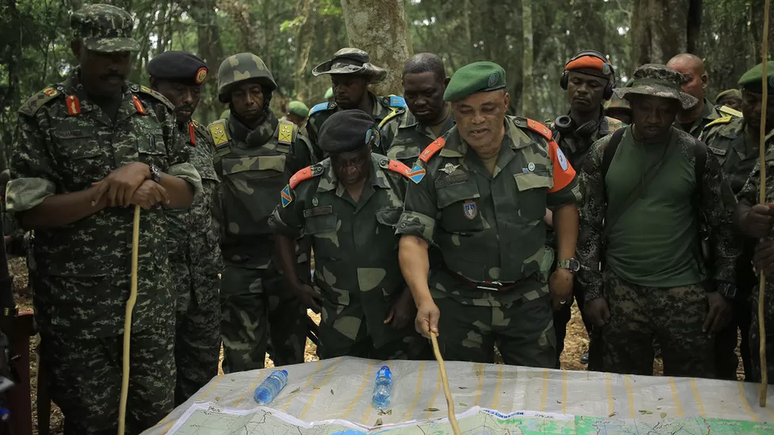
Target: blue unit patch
396,101
318,108
470,209
285,196
417,173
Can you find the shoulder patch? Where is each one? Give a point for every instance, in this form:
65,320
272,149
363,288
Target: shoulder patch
285,132
319,107
729,111
539,128
432,149
416,173
148,91
285,197
34,103
307,173
218,133
396,101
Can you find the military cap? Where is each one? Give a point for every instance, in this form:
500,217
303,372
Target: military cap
473,78
347,130
658,81
178,66
329,94
733,93
351,61
751,81
298,108
591,62
104,28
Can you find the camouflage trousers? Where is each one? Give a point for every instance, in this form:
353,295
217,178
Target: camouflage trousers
197,334
768,312
344,331
85,378
255,308
673,316
522,329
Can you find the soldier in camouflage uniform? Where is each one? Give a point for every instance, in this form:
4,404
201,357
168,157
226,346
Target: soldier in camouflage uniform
349,205
588,80
297,114
479,194
643,224
351,72
694,119
740,139
618,108
194,254
731,98
255,155
86,152
429,116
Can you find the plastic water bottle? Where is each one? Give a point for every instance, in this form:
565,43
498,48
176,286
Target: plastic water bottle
382,389
271,386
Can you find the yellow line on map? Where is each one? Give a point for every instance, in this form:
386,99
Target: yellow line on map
317,390
676,397
479,368
419,391
497,392
435,394
360,390
209,390
309,379
544,394
610,400
629,394
744,401
564,391
258,378
699,404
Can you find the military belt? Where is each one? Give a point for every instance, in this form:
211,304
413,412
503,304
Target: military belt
491,286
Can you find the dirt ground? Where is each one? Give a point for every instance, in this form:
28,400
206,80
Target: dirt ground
576,344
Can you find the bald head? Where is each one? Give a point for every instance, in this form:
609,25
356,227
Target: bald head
692,67
425,62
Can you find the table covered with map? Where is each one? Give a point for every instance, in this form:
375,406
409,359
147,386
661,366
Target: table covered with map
334,397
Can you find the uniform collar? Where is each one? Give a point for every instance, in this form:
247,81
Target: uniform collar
73,86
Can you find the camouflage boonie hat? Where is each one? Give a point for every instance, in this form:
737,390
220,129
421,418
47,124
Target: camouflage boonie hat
351,61
658,81
104,28
618,103
241,67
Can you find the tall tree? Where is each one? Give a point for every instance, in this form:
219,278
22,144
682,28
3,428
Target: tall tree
379,27
528,92
664,28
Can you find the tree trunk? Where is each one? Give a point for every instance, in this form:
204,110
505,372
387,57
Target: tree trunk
588,25
527,90
210,50
379,27
661,28
305,34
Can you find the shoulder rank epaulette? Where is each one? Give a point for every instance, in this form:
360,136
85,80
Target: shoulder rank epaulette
219,133
721,120
395,166
307,173
319,107
31,106
390,116
730,111
148,91
285,132
396,101
192,131
539,129
431,149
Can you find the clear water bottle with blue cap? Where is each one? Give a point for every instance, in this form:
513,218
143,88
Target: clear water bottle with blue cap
382,389
271,387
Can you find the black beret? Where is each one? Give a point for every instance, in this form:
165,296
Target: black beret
347,130
178,66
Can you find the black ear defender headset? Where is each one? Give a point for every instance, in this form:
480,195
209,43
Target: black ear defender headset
607,71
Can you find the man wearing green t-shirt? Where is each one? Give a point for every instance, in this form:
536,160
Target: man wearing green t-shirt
644,194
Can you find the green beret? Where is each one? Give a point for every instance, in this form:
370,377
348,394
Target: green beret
329,94
298,108
751,80
347,130
473,78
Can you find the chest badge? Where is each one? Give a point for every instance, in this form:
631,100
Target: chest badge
449,168
470,210
531,166
315,202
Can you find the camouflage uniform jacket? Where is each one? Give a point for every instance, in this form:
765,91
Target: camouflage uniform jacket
729,141
192,241
709,114
490,228
253,166
410,137
81,272
385,110
716,207
574,148
354,242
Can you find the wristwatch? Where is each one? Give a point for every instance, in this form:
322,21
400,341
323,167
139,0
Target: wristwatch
573,265
727,290
155,173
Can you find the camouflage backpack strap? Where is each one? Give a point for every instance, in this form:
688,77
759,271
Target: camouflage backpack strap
34,103
144,90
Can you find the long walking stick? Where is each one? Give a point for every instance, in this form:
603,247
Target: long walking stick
128,322
445,382
762,200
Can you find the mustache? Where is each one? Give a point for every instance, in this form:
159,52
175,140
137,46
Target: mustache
113,74
185,108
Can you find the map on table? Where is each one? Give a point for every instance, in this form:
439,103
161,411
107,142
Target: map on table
209,419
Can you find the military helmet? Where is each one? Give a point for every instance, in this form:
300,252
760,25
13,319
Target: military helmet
241,67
